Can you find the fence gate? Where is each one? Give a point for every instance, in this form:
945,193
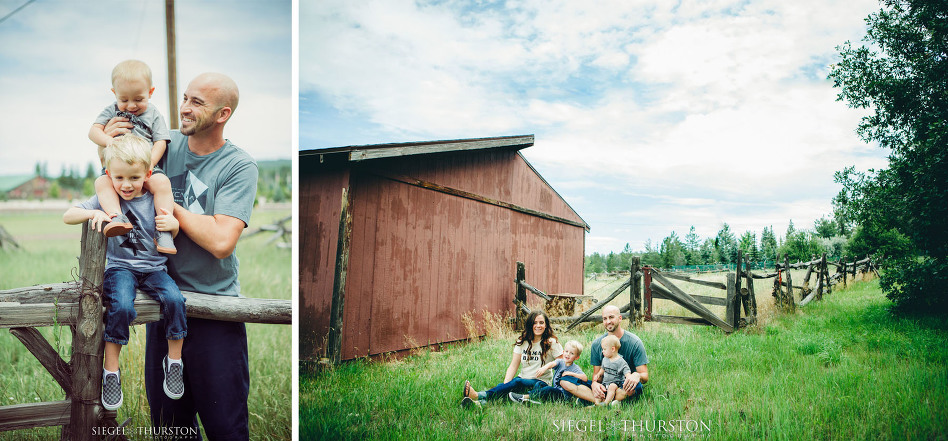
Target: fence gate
735,300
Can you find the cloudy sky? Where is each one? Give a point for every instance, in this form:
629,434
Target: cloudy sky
57,57
650,116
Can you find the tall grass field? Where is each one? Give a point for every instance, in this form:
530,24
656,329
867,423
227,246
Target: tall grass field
48,254
840,369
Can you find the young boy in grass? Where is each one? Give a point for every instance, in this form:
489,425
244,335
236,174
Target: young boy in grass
615,370
564,369
134,263
131,84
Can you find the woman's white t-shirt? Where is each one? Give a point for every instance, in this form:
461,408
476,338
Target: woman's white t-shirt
531,362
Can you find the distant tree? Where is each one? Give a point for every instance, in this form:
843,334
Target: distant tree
709,252
651,256
748,244
900,77
826,228
692,247
768,244
54,190
726,245
672,251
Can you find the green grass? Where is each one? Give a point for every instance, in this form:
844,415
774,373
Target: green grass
49,254
843,368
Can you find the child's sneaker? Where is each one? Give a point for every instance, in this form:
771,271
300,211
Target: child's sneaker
111,391
165,243
118,226
174,378
615,403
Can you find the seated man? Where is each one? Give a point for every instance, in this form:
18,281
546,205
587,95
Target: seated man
632,350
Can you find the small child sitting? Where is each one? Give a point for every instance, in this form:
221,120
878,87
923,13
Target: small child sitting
615,369
134,263
131,84
565,370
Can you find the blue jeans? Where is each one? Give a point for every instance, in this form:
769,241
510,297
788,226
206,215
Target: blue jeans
216,379
542,392
119,287
518,385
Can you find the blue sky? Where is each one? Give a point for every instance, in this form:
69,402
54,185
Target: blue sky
57,58
650,116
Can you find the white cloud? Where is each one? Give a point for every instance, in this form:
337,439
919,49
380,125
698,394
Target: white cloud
57,59
694,101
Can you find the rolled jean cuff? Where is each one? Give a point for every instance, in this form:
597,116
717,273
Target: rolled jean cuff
116,341
177,336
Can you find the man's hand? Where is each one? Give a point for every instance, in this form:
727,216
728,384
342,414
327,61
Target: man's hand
631,381
118,126
599,390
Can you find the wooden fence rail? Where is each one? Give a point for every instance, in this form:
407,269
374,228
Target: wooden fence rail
79,306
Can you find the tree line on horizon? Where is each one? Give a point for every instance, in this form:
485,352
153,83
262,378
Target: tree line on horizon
274,180
828,235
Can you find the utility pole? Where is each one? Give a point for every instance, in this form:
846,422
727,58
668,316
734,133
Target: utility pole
172,66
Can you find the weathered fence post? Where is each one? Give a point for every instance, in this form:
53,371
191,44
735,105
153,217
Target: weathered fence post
88,337
750,290
791,303
636,292
843,265
334,339
521,295
826,273
732,313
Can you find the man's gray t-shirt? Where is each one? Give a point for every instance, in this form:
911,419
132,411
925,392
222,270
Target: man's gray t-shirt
223,182
149,125
614,370
632,350
135,250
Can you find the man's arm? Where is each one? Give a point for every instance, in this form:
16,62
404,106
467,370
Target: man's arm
218,234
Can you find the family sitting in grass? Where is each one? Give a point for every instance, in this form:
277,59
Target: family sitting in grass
547,371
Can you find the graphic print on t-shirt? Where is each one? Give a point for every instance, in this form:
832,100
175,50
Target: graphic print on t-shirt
134,240
136,121
190,192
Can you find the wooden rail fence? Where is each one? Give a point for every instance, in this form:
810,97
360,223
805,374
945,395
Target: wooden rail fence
647,284
79,306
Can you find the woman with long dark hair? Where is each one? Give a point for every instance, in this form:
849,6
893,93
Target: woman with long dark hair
536,346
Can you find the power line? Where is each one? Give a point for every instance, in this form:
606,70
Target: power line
15,11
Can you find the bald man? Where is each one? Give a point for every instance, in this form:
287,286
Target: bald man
632,350
214,183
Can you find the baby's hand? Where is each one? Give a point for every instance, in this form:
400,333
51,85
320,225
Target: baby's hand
166,222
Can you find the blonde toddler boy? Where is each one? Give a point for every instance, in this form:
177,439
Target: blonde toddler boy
131,84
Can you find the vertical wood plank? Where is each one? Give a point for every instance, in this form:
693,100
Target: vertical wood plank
334,343
88,338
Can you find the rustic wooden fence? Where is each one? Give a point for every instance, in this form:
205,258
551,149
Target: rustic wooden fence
646,285
79,306
785,292
737,298
557,300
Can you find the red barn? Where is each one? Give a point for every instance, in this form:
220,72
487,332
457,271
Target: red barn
436,231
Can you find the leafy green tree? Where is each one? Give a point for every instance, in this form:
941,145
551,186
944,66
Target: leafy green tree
825,228
672,251
726,245
748,244
901,77
768,244
692,247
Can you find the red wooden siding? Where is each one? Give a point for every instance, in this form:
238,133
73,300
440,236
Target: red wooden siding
420,258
